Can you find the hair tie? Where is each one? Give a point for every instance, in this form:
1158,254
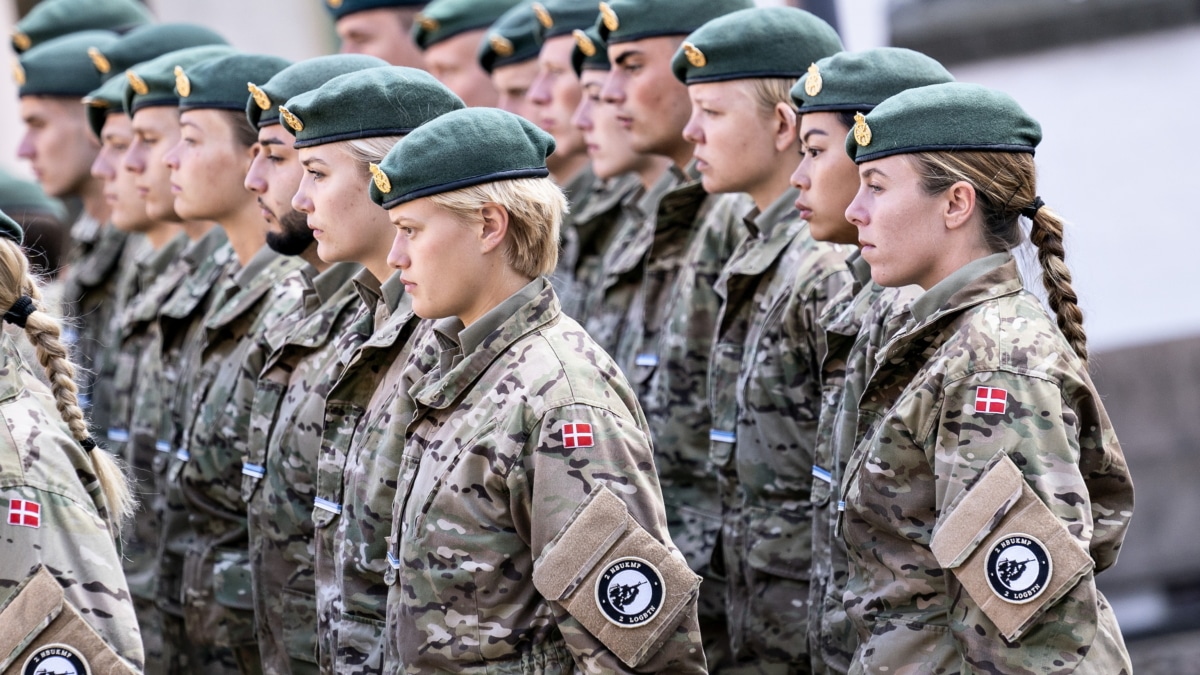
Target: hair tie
1031,211
88,444
20,311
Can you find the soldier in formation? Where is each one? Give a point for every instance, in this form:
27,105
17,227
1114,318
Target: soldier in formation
404,383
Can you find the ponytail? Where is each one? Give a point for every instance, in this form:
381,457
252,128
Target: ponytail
19,292
1047,236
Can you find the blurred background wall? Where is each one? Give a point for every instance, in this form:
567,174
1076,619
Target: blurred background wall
1115,86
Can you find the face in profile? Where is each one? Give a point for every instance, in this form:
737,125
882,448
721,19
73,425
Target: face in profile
826,177
155,132
126,208
208,166
452,62
274,177
58,143
384,33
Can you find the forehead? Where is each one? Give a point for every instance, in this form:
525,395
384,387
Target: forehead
658,47
458,49
720,90
47,107
829,122
117,123
158,118
276,135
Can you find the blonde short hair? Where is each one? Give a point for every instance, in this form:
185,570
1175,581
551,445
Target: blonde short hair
536,207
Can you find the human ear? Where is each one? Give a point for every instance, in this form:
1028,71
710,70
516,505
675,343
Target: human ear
495,226
959,204
786,131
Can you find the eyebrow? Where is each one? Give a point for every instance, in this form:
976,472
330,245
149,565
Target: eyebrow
626,55
312,160
812,132
871,172
271,141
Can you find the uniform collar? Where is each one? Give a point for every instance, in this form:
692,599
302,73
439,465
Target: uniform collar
760,223
938,296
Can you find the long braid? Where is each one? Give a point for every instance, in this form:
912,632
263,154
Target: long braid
45,334
1047,236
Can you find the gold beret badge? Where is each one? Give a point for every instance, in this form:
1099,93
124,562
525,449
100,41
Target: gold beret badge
862,132
611,22
21,40
334,4
291,120
18,73
380,178
812,86
138,84
182,84
428,23
694,55
501,45
543,16
99,60
585,44
260,97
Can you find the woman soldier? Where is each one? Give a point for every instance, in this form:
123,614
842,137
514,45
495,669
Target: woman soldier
341,128
992,488
827,97
529,532
65,500
765,363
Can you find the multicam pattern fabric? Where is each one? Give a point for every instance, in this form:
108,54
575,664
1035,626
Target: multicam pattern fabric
579,191
61,520
89,293
765,397
279,472
856,323
490,475
218,607
356,479
978,328
595,228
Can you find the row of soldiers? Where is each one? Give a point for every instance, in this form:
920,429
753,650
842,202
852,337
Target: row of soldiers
255,354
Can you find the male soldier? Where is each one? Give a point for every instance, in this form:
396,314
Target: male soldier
379,28
449,32
61,148
626,176
132,342
664,296
764,373
512,54
208,166
180,295
50,19
279,472
363,112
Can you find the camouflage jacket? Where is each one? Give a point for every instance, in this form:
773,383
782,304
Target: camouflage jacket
579,191
123,286
54,513
855,324
595,227
264,293
356,479
980,385
493,471
137,392
764,390
88,289
180,323
279,473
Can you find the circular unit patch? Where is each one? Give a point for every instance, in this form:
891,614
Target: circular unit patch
629,592
56,659
1018,568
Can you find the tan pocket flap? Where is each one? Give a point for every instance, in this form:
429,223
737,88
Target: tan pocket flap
594,527
977,511
35,603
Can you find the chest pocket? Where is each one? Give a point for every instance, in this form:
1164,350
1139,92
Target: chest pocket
266,406
341,425
724,368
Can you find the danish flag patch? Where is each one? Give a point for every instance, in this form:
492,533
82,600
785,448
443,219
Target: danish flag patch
24,512
990,401
577,435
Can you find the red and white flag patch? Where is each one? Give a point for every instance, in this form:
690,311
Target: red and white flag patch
577,435
990,401
24,512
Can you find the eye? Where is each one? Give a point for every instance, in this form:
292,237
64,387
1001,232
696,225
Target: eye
314,173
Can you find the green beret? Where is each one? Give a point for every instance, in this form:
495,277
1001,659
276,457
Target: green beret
629,20
9,229
103,101
460,149
389,101
60,67
153,83
220,83
512,39
755,43
590,53
859,81
340,8
443,19
147,42
564,17
51,19
262,107
23,198
943,117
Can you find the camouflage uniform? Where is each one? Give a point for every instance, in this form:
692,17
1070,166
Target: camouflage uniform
217,600
89,288
180,322
979,383
356,480
594,228
579,192
136,384
489,478
856,324
279,473
42,467
765,394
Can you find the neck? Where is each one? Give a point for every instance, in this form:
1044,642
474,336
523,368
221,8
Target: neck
195,229
565,168
160,233
500,286
247,231
681,155
310,256
379,269
952,261
765,193
92,196
651,170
